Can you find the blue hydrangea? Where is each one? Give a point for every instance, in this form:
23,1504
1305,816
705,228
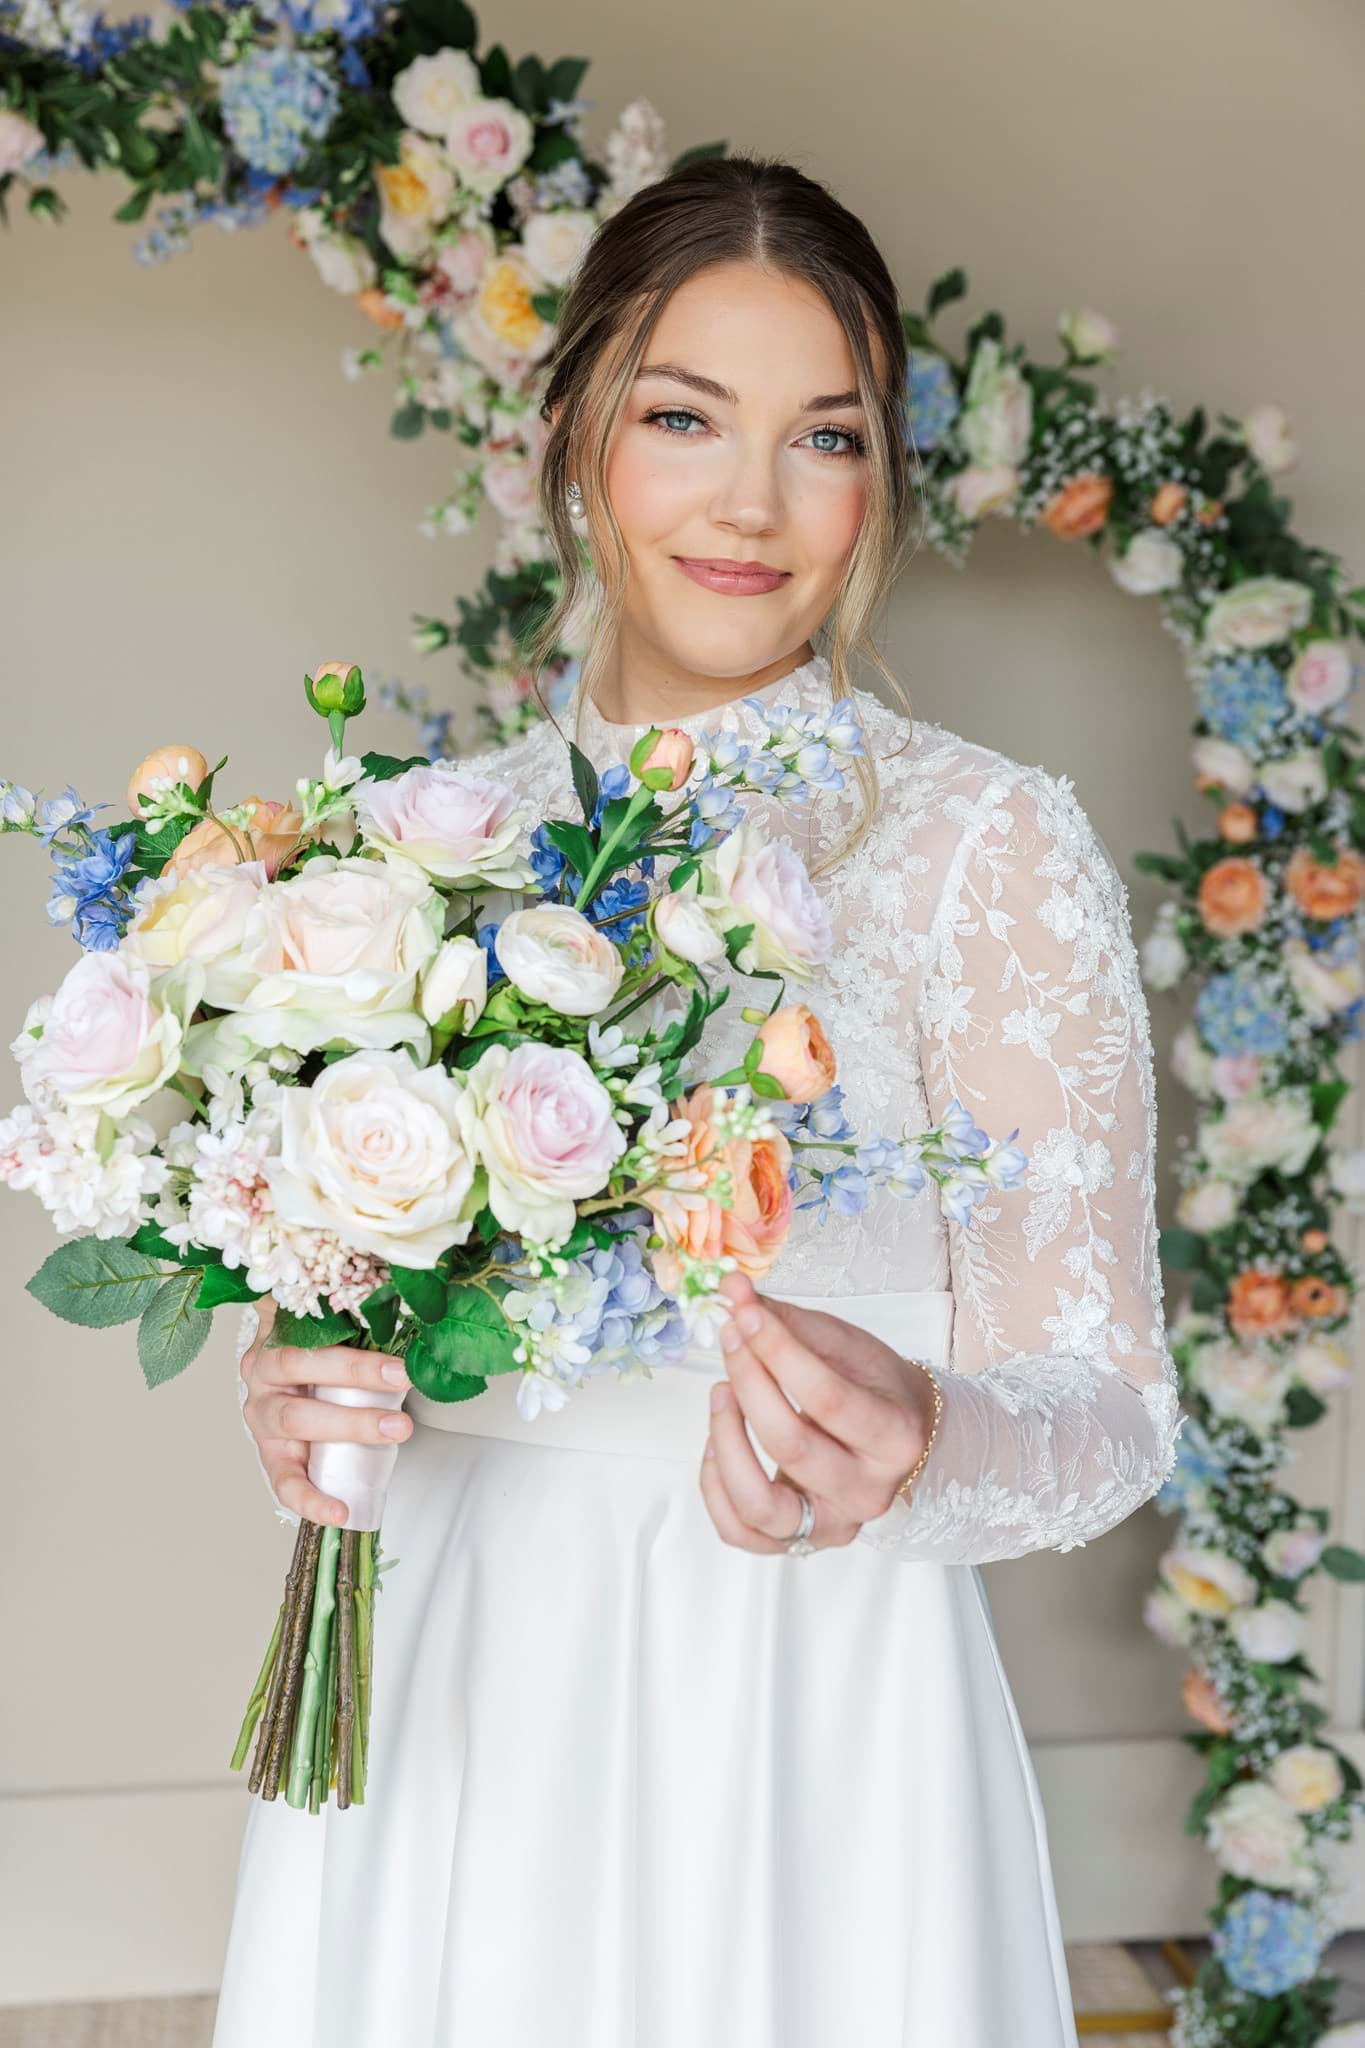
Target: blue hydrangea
1268,1943
1197,1465
275,103
1237,1013
348,19
1242,699
932,398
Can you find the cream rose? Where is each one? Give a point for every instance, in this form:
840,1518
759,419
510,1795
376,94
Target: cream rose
342,261
979,490
1257,613
1191,1060
373,1152
1266,428
465,829
996,421
1289,1553
555,242
540,1122
1163,953
1260,1131
430,91
204,915
1221,762
1246,1386
750,879
1151,562
682,926
111,1036
1207,1205
1295,782
1089,335
1208,1581
1322,1364
457,976
1256,1835
1167,1616
1269,1634
555,955
1323,987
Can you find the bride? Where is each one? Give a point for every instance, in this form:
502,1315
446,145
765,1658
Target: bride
692,1729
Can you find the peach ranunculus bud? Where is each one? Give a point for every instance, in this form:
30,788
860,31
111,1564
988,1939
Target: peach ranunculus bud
1080,508
1259,1304
1238,823
1167,504
1233,897
673,750
1211,512
1315,1297
797,1053
1202,1703
1314,1241
164,765
753,1229
376,307
274,833
1324,890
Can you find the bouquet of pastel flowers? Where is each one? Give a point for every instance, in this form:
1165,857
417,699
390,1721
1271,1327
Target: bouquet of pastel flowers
419,1065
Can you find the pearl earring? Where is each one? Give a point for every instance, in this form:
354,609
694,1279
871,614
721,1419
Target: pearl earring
575,496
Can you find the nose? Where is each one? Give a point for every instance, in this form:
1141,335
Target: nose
748,497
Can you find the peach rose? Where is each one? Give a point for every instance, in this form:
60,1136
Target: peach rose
274,833
1202,1703
1233,897
1324,891
672,750
376,307
797,1053
1259,1304
753,1229
1080,508
1314,1241
164,764
1313,1296
1238,823
1167,504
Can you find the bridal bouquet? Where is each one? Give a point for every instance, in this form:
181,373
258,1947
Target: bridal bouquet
419,1065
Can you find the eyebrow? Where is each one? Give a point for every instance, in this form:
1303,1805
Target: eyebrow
834,401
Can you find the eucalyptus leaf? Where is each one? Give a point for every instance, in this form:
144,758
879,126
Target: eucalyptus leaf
97,1282
172,1330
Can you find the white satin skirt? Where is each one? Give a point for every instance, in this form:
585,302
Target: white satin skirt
630,1787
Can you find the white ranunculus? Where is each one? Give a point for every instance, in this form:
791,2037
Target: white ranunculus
682,925
1289,1553
979,491
996,421
1321,677
750,879
203,915
1269,1634
1295,782
555,242
1151,562
373,1151
331,956
555,955
1266,428
1248,1386
1322,1364
1208,1581
1191,1061
467,830
1323,985
1207,1205
429,91
1256,1835
1260,1131
1163,952
1346,1172
1257,613
112,1035
1089,335
544,1128
457,974
1223,763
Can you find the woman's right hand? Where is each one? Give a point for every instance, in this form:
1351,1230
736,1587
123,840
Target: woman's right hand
286,1420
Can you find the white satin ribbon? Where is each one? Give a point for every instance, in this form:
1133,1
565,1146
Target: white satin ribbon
359,1474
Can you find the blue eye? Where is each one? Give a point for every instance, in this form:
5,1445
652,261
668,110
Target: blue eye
661,413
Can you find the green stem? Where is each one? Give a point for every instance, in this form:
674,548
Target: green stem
650,989
638,804
258,1693
314,1669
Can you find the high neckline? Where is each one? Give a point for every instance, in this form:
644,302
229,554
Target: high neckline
607,741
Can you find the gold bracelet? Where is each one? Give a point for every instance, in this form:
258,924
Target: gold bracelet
933,1429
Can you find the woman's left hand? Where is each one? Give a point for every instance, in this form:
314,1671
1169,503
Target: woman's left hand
865,1418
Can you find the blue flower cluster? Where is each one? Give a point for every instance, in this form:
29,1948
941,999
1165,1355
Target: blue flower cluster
1243,699
966,1162
275,102
931,397
1268,1943
1237,1013
89,889
349,19
603,1311
1197,1466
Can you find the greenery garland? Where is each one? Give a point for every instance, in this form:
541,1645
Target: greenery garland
450,196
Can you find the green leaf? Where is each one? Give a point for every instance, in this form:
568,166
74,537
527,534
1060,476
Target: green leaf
952,285
384,767
435,1381
1343,1563
1302,1407
1182,1250
575,842
380,1311
172,1330
407,423
96,1282
309,1333
147,1238
423,1289
472,1340
222,1284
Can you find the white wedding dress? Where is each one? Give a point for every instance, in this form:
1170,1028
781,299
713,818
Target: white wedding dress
631,1787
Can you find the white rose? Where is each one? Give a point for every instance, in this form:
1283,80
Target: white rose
996,420
555,242
466,829
1208,1581
1151,562
1163,952
1269,1634
1089,335
1321,677
750,879
1223,763
1255,1835
331,956
509,484
555,955
1322,1364
201,916
1289,1553
1207,1205
1257,613
684,928
488,141
1191,1061
1167,1616
429,92
1241,1385
1260,1131
1266,428
977,492
343,263
458,974
543,1126
373,1151
1346,1173
112,1035
1323,986
20,141
1295,782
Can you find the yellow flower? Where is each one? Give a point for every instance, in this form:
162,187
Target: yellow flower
505,303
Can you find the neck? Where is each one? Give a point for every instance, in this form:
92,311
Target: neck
646,688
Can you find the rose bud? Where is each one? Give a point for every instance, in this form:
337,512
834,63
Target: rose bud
337,686
457,974
164,765
681,926
672,751
797,1053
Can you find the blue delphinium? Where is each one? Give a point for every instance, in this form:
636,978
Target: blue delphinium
1243,699
716,811
274,103
1236,1013
1268,1943
931,397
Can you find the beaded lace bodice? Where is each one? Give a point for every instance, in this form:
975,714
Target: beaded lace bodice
983,950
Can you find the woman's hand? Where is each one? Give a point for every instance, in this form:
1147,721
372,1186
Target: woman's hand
865,1418
286,1421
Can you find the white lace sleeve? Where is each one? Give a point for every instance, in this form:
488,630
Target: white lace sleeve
1059,1411
246,1337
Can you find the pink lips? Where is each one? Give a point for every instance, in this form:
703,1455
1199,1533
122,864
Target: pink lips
735,579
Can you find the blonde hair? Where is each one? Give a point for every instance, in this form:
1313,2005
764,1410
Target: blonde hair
710,211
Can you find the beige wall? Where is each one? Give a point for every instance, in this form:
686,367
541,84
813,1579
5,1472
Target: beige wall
195,507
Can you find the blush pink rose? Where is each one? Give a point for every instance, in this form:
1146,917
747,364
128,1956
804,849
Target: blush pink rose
759,881
1321,676
20,141
107,1043
539,1121
487,141
459,826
